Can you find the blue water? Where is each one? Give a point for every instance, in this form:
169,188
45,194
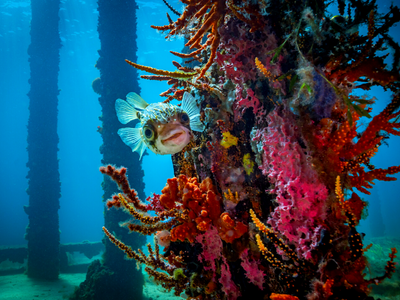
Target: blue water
81,213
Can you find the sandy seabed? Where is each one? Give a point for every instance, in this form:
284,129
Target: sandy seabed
20,287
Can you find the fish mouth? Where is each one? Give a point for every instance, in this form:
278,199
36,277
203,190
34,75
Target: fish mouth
172,137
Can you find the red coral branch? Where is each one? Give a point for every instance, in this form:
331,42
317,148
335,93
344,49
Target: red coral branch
119,176
370,138
363,180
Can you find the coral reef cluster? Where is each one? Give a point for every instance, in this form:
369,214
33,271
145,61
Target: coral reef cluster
266,201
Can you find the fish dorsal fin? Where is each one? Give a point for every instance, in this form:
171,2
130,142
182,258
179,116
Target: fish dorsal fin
132,137
125,111
136,101
189,105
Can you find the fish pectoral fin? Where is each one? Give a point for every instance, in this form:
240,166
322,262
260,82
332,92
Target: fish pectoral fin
141,150
132,137
136,101
125,111
190,106
196,124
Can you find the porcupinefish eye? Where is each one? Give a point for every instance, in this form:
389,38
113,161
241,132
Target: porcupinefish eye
148,132
184,117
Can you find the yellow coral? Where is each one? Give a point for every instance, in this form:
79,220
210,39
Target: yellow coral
339,192
232,197
176,74
263,69
273,237
228,140
248,164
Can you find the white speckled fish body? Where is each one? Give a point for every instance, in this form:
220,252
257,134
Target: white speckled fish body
164,128
159,112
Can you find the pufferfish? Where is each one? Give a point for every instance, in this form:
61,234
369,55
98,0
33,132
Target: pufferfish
164,128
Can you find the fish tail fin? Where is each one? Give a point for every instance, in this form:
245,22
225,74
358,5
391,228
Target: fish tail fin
125,111
190,106
132,137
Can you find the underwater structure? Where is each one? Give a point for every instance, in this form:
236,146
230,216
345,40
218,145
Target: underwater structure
266,200
43,233
115,277
375,215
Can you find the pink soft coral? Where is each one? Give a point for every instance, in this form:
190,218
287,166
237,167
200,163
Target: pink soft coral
212,248
255,275
301,196
249,101
229,287
240,50
154,203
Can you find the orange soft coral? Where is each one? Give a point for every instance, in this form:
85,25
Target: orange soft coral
230,230
199,202
327,287
201,206
282,297
169,193
184,231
